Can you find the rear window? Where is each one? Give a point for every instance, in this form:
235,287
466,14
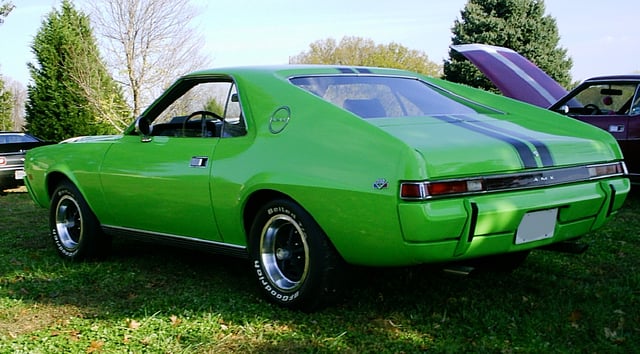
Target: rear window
386,96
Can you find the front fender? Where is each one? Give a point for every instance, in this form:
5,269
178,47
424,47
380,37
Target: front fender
78,163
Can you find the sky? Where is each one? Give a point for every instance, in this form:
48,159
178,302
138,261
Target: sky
598,35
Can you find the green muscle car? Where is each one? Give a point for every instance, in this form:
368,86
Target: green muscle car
307,169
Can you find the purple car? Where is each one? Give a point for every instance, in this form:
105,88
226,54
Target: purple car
609,102
13,146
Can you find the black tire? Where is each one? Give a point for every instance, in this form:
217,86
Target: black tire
294,263
75,230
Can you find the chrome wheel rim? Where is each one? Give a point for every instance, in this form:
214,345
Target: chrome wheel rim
284,253
68,223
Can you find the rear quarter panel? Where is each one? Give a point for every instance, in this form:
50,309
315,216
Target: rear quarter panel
325,159
328,160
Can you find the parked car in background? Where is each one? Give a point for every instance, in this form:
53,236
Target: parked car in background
13,146
611,102
303,169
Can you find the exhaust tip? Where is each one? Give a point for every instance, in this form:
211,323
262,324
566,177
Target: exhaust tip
459,269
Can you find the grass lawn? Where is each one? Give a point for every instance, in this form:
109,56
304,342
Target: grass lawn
155,299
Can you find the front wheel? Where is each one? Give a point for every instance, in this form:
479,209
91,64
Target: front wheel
295,264
75,230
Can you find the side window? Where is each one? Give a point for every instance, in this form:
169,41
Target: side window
234,121
203,110
635,106
605,99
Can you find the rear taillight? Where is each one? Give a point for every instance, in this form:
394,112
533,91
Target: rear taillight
424,190
606,170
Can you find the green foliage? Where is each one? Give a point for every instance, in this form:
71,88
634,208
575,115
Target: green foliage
517,24
155,299
70,82
6,107
5,9
214,106
365,52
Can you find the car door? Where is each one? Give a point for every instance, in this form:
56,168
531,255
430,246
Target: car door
608,103
604,103
631,146
160,186
161,183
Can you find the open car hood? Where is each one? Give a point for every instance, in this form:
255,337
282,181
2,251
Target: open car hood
514,75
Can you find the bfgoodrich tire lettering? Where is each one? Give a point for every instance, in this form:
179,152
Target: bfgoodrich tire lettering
294,263
75,230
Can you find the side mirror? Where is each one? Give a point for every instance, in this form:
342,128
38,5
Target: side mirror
143,128
564,109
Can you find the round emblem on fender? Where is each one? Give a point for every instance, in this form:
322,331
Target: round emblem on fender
279,119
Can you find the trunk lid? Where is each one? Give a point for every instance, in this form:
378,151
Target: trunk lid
479,144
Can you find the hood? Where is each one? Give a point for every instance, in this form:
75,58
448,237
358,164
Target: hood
514,75
21,147
91,138
475,145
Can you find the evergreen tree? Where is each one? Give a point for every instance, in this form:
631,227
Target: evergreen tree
517,24
70,83
6,108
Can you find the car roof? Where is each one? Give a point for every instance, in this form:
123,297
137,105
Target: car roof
289,70
629,77
13,133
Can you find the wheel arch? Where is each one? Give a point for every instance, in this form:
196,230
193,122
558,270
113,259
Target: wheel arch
54,179
254,202
259,198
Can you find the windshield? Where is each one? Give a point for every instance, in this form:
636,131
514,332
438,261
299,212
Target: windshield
386,96
16,138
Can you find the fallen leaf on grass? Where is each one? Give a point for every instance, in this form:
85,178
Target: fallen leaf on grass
95,346
133,324
575,316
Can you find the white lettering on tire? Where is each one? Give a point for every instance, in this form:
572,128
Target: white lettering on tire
269,289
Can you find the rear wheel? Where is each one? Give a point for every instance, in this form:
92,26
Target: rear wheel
295,264
75,230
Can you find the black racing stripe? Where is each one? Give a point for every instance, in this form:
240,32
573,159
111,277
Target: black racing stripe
346,70
525,153
543,150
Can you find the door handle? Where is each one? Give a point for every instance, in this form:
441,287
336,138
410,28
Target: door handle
616,128
199,161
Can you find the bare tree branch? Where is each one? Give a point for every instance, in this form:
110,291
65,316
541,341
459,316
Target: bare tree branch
149,43
103,101
5,10
19,95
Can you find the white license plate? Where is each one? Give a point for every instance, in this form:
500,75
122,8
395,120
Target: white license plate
536,225
19,174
